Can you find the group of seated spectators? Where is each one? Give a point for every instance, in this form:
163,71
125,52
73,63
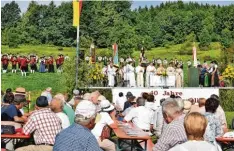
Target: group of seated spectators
59,124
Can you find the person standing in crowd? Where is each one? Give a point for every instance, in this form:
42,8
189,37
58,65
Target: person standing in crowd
214,75
150,103
23,65
170,70
19,61
45,125
5,61
78,135
33,64
61,59
195,132
111,75
174,132
56,106
42,65
107,117
13,63
57,60
141,116
165,62
131,75
179,77
150,73
66,108
105,79
214,127
140,75
51,64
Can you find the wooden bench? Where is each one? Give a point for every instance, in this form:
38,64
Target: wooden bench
150,144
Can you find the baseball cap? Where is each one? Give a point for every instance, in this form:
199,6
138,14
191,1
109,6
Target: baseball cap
86,108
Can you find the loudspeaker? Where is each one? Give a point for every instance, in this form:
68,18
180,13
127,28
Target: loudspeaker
193,77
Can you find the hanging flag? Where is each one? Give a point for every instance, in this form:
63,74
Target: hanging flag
115,54
77,6
194,56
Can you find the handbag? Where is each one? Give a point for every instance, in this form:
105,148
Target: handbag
8,129
105,133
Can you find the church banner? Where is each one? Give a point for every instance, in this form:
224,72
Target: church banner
115,54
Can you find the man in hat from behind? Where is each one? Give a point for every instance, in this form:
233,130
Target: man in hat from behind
45,125
78,135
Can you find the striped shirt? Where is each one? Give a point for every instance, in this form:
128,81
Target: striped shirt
173,134
45,124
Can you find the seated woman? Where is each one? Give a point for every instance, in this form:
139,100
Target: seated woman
214,127
106,117
195,132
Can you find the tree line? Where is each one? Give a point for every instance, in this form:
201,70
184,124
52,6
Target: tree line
106,22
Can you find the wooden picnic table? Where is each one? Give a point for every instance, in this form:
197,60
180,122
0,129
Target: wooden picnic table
124,138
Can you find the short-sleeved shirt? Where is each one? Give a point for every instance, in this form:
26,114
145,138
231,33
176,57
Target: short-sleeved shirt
194,146
64,119
76,137
69,112
141,117
105,120
10,113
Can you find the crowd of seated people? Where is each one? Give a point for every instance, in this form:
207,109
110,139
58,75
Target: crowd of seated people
78,124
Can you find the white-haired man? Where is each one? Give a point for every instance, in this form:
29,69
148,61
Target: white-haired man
174,132
78,136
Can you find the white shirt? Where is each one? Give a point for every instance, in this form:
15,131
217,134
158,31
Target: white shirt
105,120
194,146
120,102
141,117
64,118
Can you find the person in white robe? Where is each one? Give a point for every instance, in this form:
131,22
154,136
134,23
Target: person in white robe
140,75
170,70
131,75
111,75
150,73
179,77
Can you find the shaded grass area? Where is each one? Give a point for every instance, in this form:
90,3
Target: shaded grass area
35,83
229,117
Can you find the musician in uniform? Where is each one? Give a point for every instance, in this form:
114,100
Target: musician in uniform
57,60
33,64
23,65
5,61
14,63
51,64
18,60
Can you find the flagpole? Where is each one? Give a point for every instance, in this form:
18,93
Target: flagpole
77,54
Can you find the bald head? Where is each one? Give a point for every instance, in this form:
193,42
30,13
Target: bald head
60,96
140,101
94,97
56,105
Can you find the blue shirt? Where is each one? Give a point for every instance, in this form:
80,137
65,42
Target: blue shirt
76,138
10,112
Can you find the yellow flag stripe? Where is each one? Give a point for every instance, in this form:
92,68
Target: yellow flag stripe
76,13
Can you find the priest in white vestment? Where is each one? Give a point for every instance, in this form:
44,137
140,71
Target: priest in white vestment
140,75
150,73
111,75
131,75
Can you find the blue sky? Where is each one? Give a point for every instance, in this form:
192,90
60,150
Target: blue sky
136,3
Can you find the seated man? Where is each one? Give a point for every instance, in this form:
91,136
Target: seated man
140,116
174,132
44,124
56,105
12,112
78,136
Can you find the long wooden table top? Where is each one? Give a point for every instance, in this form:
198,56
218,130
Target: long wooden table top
120,133
18,135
